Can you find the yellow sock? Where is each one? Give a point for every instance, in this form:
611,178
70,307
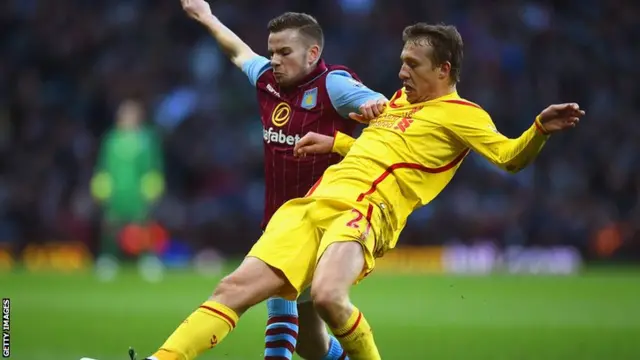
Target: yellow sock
202,330
356,338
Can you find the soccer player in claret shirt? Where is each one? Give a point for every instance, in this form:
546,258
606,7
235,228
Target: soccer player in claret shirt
330,238
297,93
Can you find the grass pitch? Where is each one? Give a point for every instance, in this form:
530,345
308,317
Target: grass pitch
592,316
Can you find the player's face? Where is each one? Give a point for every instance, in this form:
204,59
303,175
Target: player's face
129,115
291,56
419,77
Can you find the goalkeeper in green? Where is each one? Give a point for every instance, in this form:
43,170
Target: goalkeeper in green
127,181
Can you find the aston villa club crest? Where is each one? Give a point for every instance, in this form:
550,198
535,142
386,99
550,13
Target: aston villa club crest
310,99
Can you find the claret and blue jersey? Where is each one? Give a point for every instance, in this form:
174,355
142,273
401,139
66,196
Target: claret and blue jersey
320,103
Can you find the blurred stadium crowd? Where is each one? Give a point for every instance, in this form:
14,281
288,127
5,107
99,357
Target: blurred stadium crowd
67,64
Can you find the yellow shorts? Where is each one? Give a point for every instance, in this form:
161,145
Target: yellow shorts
302,229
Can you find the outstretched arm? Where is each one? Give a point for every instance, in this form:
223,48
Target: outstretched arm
353,99
513,155
236,49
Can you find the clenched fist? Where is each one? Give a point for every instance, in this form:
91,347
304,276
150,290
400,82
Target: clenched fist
196,9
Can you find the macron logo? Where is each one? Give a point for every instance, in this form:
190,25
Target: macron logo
272,90
271,136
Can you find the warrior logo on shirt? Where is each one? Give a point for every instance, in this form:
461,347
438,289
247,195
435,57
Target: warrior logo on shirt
281,114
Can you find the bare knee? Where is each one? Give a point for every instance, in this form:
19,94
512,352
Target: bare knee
232,293
327,296
332,302
252,282
338,268
229,286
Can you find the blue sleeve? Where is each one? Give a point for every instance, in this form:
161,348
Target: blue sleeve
255,67
347,94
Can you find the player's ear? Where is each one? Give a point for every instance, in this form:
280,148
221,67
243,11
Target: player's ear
313,54
445,69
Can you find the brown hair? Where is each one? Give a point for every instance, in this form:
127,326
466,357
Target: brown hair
306,24
446,43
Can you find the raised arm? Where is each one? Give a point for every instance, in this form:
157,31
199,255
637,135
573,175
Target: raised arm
236,49
480,134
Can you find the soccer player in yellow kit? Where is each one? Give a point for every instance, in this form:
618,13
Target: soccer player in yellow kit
330,239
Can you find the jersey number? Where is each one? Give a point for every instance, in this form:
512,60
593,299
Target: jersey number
354,222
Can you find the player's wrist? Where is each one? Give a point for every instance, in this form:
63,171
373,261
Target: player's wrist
540,126
209,21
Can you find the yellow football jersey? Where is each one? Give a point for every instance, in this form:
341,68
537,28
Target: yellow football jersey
407,155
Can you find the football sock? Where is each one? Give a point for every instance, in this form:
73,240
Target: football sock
336,352
203,329
356,338
282,329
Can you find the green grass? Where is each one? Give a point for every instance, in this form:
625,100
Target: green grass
593,316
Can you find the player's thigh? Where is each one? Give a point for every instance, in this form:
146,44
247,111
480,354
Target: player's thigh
347,248
290,244
339,267
313,338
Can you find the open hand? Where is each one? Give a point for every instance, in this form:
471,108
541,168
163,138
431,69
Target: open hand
196,9
313,143
558,117
369,111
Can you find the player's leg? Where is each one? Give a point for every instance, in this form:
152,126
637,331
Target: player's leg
297,250
252,282
281,263
346,256
301,328
339,267
109,254
281,335
314,342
